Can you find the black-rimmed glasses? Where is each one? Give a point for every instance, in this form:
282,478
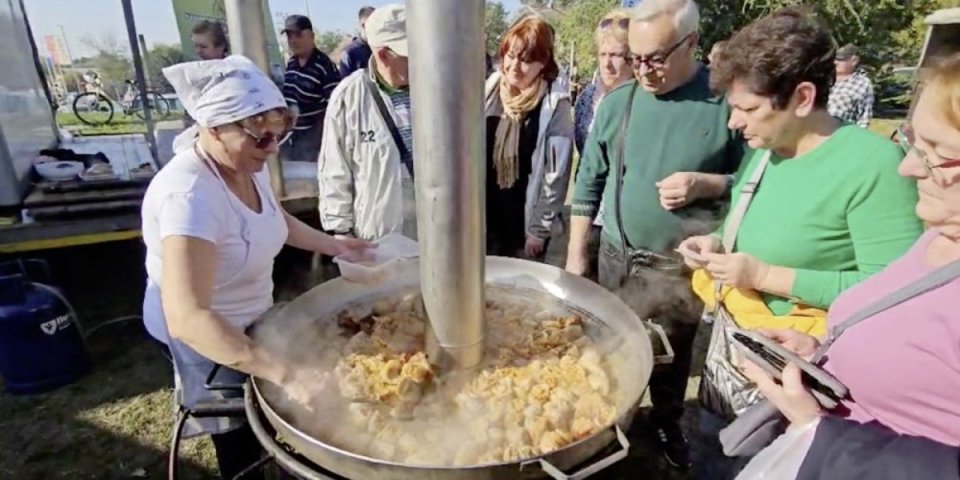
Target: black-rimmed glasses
657,60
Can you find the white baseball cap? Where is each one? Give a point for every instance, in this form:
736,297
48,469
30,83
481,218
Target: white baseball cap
387,28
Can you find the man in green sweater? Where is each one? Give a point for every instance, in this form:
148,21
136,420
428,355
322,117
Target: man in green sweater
677,154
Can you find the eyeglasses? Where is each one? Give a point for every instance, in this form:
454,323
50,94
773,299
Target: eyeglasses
264,141
606,23
906,139
657,60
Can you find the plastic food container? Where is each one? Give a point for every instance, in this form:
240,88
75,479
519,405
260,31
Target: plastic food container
378,264
58,171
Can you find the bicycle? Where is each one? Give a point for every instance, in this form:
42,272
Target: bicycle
96,108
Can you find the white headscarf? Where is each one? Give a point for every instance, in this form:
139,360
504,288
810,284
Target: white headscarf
219,92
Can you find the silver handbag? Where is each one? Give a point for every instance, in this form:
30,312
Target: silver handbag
723,389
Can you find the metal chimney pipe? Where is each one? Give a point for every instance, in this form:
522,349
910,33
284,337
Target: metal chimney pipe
446,90
248,37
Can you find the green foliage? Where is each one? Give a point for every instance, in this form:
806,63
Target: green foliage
554,3
886,30
121,124
496,25
576,29
329,40
111,62
158,58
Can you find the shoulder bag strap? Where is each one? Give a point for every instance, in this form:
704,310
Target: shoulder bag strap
391,125
931,281
619,166
743,203
736,216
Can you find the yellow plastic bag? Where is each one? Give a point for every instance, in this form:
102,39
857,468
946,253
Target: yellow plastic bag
750,312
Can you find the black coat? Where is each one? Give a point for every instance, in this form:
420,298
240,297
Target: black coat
846,450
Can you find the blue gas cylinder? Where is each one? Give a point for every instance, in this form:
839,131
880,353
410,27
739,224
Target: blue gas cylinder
41,345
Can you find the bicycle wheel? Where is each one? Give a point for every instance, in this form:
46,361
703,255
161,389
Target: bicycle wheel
93,109
159,108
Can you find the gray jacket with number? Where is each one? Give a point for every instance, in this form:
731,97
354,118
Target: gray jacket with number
361,178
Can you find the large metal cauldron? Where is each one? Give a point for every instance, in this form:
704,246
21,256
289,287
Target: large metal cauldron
606,318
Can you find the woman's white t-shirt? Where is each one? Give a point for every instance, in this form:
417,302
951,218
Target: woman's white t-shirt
188,198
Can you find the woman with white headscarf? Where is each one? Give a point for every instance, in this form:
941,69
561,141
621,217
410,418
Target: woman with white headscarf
212,227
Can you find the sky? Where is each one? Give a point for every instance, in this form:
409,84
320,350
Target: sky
155,20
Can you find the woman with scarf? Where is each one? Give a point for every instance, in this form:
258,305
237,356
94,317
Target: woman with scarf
529,143
212,227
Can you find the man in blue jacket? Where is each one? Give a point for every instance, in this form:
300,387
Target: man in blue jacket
357,54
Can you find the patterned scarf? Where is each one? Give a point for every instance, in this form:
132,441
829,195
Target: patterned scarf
515,108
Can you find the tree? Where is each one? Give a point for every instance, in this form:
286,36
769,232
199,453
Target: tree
159,57
111,61
329,40
496,25
873,25
560,4
575,29
888,32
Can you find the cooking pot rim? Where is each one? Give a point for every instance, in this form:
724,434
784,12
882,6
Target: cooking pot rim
573,291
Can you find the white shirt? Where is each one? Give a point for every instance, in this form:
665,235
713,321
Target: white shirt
188,198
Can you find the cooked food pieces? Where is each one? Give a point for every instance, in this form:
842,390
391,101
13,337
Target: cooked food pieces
543,385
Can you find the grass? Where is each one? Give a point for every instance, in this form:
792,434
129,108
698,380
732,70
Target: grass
120,124
116,421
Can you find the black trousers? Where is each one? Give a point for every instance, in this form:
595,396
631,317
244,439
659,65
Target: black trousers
659,291
237,450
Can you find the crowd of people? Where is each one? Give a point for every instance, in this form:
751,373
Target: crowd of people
739,192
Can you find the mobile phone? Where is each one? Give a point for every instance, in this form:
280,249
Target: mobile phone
772,357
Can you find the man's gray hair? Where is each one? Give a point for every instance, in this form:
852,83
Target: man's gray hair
686,14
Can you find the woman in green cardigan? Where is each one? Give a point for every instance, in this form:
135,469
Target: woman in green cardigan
830,209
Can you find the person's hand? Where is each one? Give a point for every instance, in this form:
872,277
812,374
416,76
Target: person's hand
739,270
800,343
306,385
680,189
578,263
345,244
790,396
694,248
534,246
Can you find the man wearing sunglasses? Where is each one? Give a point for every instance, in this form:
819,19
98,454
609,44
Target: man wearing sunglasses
677,154
366,163
307,84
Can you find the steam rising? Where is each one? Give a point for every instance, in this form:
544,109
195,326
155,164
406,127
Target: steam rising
455,423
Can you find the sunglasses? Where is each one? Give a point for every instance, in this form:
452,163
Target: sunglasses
906,139
657,60
606,23
264,141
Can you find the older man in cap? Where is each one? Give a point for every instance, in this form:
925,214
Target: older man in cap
851,98
307,84
366,162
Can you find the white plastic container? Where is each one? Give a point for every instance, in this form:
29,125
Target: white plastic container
379,264
58,171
